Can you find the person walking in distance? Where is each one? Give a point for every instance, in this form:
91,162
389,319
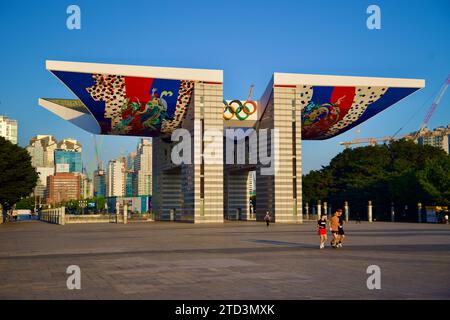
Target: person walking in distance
334,227
358,218
267,218
322,230
341,233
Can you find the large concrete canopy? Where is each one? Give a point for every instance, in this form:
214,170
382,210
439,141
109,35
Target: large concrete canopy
153,101
332,105
128,100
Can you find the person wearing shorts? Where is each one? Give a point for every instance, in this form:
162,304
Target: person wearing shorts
341,233
334,228
322,230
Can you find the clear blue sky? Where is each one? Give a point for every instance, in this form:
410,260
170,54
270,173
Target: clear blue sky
249,40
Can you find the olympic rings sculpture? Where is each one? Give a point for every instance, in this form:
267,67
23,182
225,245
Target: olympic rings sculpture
236,108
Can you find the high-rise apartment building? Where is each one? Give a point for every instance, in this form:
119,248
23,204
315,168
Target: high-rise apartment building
439,137
41,149
116,182
44,173
63,186
87,187
143,168
8,129
70,144
131,176
129,183
131,160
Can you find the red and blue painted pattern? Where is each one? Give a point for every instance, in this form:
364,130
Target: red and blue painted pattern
131,105
151,107
330,111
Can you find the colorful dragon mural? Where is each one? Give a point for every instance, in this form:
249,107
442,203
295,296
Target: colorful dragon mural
329,111
140,106
132,105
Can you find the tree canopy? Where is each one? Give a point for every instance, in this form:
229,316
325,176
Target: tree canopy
402,172
17,176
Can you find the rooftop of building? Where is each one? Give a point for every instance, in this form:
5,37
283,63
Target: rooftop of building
8,120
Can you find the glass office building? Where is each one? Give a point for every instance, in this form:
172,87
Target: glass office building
68,161
99,183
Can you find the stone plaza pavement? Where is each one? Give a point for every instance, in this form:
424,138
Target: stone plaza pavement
235,260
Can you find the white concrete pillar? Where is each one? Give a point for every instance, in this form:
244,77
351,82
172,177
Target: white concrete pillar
347,211
307,210
125,213
278,192
319,209
392,212
62,216
325,208
117,211
419,212
369,211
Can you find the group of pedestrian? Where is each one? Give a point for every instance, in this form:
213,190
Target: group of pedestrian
336,225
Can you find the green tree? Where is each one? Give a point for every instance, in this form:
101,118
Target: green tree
407,155
358,175
434,180
316,186
408,183
402,172
25,203
99,202
17,177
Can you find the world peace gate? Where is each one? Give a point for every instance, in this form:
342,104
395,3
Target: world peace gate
185,107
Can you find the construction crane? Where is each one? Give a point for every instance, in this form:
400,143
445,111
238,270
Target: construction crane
374,141
370,141
251,92
97,153
433,107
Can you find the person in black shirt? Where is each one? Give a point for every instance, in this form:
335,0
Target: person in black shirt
322,230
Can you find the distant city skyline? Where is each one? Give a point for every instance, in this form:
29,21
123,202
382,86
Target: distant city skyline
302,37
91,165
47,158
59,166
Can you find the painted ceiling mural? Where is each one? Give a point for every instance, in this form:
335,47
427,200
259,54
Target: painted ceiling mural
131,105
330,111
151,107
